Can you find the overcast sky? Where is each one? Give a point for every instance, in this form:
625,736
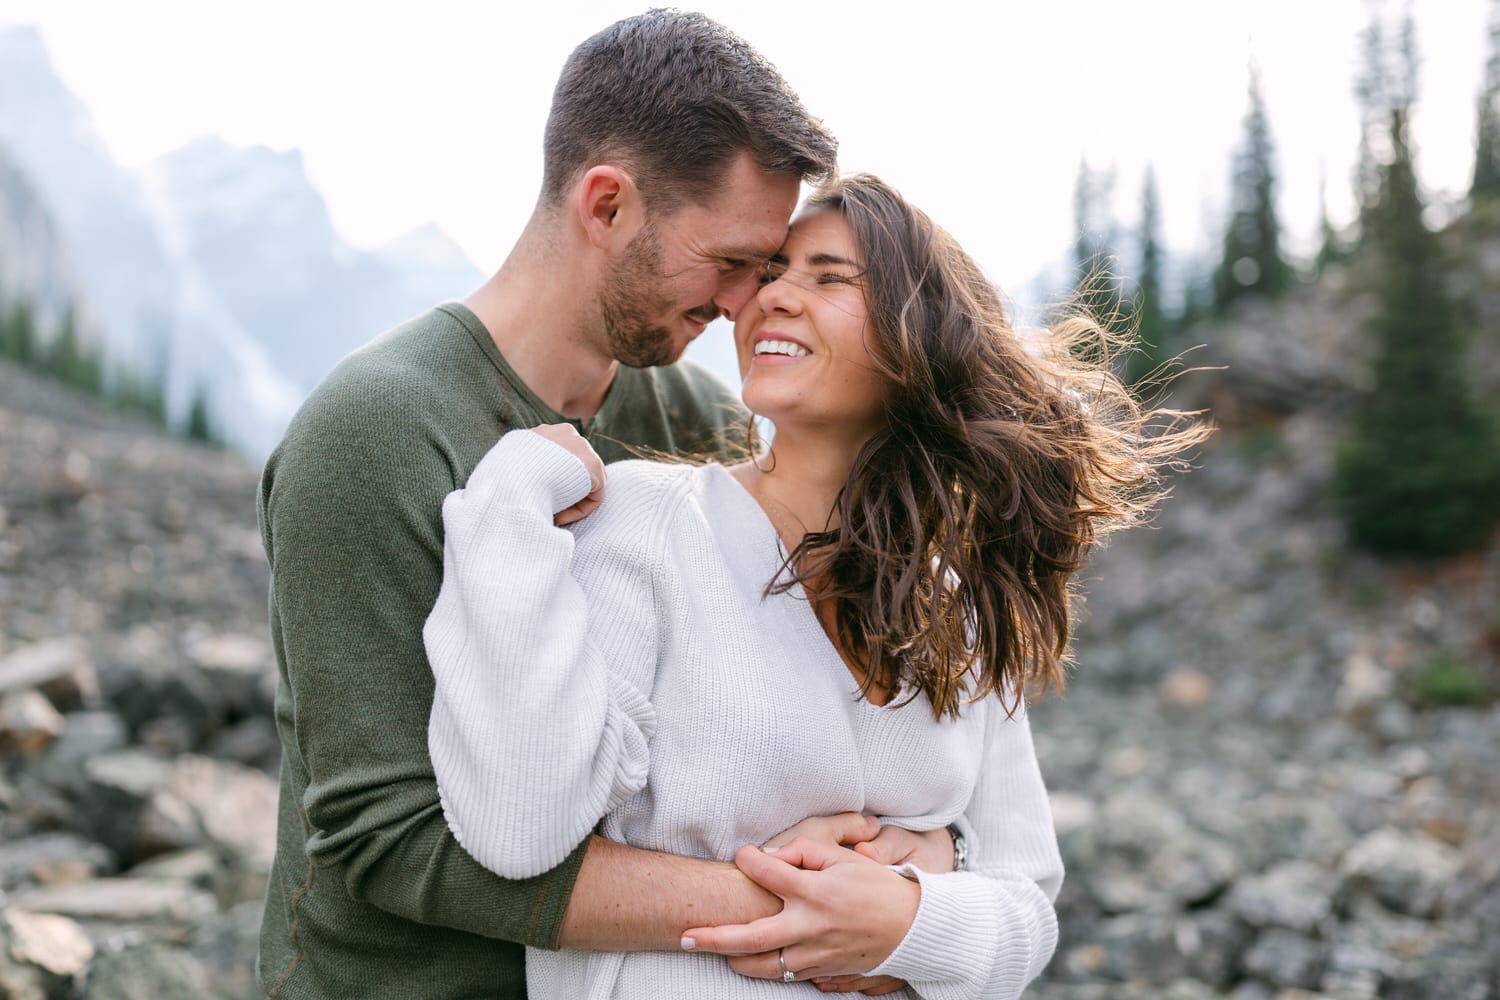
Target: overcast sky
432,112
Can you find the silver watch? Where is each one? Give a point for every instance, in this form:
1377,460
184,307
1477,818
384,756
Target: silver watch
960,847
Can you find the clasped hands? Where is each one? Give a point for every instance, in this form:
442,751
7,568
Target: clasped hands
843,910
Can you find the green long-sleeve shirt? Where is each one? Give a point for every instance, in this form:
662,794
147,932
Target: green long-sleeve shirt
370,895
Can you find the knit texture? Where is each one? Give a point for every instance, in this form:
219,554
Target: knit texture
636,674
370,894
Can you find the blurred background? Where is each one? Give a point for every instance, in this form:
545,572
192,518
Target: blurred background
1276,774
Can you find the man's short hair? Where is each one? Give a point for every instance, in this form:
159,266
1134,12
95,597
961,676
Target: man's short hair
675,97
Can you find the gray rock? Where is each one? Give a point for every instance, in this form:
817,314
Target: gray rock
226,945
1366,685
1184,989
199,867
146,972
1251,989
254,742
1392,721
1476,888
118,787
28,724
1450,971
1371,925
19,981
52,943
1356,970
1297,827
168,689
122,900
228,805
1285,958
241,667
131,774
1211,942
1294,894
51,858
1138,947
1194,867
1407,872
35,806
61,669
84,735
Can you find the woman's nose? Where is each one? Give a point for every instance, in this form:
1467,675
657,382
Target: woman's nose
779,295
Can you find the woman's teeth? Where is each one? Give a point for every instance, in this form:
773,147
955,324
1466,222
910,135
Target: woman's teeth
786,347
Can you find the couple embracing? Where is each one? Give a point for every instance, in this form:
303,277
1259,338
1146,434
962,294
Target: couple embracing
737,720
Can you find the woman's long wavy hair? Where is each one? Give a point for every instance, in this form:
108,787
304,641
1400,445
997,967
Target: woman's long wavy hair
964,522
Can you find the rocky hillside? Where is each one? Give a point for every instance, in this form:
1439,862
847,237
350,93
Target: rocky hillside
1276,774
136,800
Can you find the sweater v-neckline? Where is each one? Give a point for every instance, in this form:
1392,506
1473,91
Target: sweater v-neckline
765,552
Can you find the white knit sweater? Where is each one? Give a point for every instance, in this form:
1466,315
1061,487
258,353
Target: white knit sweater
629,670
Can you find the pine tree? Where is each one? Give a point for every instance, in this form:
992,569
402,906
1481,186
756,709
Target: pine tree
1252,262
199,426
72,362
1331,248
18,334
1152,326
1419,469
1374,110
1486,185
129,393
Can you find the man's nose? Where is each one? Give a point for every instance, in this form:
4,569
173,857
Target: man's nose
735,292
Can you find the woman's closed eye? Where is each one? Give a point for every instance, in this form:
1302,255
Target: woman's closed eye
772,270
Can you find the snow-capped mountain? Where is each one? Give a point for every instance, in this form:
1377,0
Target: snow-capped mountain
219,263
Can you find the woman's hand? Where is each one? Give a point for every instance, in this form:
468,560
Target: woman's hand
568,437
931,851
843,913
839,830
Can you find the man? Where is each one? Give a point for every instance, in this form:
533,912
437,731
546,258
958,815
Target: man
673,159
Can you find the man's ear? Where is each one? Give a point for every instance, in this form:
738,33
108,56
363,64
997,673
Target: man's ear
610,208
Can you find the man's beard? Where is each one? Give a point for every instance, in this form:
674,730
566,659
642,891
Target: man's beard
630,299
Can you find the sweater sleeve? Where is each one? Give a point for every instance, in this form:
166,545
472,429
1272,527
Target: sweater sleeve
349,511
535,735
989,930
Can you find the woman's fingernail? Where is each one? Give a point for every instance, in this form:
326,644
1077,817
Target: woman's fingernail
770,850
688,944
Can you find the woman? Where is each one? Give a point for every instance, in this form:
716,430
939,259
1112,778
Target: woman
843,625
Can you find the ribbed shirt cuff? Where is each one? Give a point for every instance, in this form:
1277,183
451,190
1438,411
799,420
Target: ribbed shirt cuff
963,936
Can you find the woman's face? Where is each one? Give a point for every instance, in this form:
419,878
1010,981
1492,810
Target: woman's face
804,358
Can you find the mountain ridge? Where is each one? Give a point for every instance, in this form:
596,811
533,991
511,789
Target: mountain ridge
216,264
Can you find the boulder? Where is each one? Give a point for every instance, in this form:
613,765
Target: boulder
28,724
1407,872
61,669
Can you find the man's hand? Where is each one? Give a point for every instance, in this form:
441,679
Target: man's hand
568,437
870,986
843,914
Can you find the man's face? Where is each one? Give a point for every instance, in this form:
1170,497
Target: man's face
683,269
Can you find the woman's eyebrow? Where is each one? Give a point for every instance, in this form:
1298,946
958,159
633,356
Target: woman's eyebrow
824,259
